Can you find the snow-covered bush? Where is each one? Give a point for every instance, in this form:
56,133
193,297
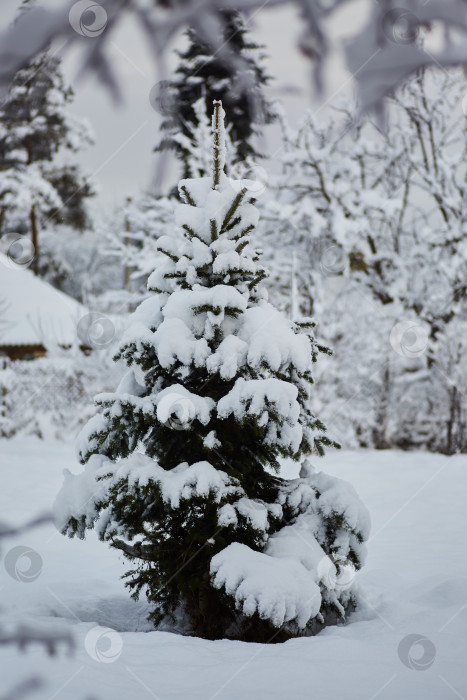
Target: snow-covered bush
50,397
375,223
182,460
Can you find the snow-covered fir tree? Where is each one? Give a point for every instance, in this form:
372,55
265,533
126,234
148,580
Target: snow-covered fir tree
39,182
235,75
182,461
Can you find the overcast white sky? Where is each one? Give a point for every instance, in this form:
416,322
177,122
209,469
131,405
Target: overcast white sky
122,160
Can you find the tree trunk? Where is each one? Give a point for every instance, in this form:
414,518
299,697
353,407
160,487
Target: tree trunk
207,615
454,442
34,241
127,269
380,437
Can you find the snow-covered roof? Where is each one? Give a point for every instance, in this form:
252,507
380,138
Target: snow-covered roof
32,312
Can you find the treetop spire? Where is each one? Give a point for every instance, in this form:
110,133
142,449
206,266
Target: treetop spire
218,146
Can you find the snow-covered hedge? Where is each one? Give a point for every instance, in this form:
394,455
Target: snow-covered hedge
49,397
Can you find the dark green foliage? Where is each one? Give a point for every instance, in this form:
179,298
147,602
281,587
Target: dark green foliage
203,72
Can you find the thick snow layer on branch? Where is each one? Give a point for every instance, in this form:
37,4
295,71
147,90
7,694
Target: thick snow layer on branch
299,542
328,495
230,260
195,308
183,304
255,512
130,385
174,341
272,402
338,496
259,395
186,405
197,187
199,479
278,589
86,442
81,493
214,206
302,564
149,312
157,280
270,339
317,499
229,357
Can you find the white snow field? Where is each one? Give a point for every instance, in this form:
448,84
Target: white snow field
414,583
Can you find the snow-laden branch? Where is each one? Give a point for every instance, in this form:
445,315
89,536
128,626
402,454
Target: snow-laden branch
380,56
14,531
386,51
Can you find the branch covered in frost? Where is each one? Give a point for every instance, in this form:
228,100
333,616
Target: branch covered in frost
380,56
388,49
12,531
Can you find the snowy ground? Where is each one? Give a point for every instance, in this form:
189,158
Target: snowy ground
414,583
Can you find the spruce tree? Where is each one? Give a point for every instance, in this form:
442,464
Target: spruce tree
37,183
238,84
182,461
